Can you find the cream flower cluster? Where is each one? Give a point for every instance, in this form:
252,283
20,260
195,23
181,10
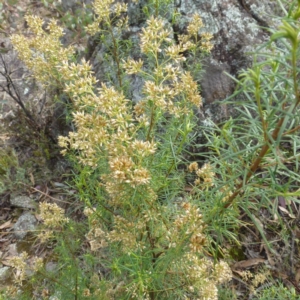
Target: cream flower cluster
188,224
104,10
42,52
205,175
22,264
104,121
53,218
200,276
105,131
168,88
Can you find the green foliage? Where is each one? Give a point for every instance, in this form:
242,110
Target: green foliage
277,292
144,237
226,294
75,19
16,168
11,174
270,290
255,155
159,8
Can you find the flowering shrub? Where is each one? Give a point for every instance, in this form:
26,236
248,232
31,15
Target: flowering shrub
150,239
146,235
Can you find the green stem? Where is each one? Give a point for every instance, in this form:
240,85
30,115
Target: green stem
152,121
179,150
154,256
259,106
116,57
276,135
254,165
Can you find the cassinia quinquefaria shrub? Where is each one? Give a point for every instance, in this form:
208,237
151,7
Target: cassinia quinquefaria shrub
156,242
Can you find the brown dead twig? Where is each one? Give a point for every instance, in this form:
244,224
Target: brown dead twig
10,88
34,119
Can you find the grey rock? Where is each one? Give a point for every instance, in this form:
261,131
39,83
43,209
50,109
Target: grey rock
236,29
12,249
22,201
26,223
216,84
51,266
5,273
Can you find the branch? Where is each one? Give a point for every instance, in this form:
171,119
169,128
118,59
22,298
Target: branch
13,92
